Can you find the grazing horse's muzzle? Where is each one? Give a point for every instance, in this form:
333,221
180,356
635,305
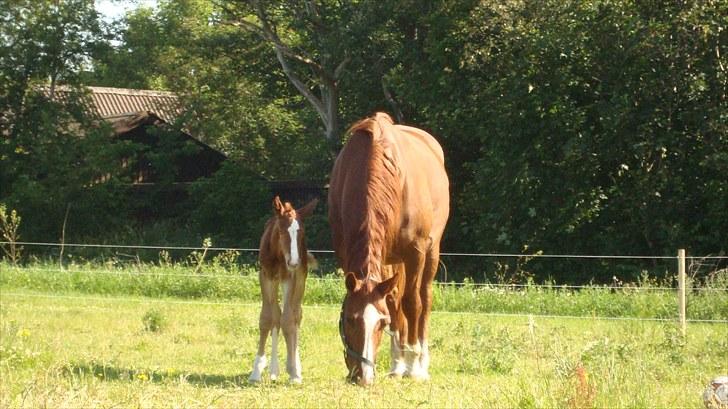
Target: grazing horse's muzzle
362,372
355,373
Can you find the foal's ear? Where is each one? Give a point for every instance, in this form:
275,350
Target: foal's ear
352,283
307,210
277,206
387,286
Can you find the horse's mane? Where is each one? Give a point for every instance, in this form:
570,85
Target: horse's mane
383,193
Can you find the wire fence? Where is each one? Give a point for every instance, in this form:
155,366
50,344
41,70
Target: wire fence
148,270
444,254
554,287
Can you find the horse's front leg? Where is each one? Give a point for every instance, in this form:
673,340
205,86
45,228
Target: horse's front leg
268,323
398,326
291,324
397,347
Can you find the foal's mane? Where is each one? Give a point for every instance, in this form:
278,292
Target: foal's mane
383,194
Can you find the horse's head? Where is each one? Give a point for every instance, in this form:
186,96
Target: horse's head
364,316
291,231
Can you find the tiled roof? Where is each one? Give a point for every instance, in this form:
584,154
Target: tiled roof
112,102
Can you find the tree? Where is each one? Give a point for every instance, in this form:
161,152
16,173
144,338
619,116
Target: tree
52,152
306,37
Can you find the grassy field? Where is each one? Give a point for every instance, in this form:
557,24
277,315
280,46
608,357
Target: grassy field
81,350
641,300
164,336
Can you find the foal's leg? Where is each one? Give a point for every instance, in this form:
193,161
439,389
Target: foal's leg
293,290
269,322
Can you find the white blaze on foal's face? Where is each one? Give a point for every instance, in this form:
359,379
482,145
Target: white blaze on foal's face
293,233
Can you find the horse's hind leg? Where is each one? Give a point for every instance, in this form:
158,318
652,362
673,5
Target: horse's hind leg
269,322
432,260
412,308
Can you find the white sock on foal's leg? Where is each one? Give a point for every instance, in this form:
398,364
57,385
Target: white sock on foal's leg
274,368
258,366
295,374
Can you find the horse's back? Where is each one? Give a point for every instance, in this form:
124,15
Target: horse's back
422,143
426,194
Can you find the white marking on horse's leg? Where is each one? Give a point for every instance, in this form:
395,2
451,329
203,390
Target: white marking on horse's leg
412,355
293,232
295,375
258,366
398,367
371,317
425,357
274,368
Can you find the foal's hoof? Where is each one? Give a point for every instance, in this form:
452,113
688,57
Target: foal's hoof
253,379
296,380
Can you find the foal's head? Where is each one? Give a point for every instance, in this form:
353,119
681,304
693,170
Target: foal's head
289,223
364,316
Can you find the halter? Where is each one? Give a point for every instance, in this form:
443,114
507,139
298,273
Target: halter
348,351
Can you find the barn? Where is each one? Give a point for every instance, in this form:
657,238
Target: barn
169,158
142,117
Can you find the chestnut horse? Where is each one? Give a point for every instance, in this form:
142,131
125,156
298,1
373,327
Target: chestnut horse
388,206
284,260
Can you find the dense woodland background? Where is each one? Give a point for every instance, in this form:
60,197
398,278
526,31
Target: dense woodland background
569,126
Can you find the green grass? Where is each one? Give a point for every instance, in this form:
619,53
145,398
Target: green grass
81,350
241,284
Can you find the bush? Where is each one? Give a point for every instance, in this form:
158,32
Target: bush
231,206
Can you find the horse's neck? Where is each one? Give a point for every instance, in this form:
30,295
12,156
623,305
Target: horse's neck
374,186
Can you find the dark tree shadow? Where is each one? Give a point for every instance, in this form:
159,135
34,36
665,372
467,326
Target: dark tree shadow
113,373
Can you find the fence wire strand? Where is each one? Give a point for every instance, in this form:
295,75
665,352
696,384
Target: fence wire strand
443,254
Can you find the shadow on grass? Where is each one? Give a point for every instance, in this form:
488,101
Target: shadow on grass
112,373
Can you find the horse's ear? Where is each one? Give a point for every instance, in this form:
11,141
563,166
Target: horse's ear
388,286
277,206
307,210
352,283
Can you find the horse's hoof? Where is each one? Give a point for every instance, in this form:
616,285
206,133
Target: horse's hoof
420,376
296,380
252,379
273,377
394,375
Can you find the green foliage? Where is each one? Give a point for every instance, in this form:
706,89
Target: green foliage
577,127
153,321
219,283
594,127
232,205
9,224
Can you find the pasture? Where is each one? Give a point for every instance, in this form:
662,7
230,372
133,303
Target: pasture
84,339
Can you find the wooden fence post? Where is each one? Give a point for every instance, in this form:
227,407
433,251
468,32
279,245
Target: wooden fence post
681,290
